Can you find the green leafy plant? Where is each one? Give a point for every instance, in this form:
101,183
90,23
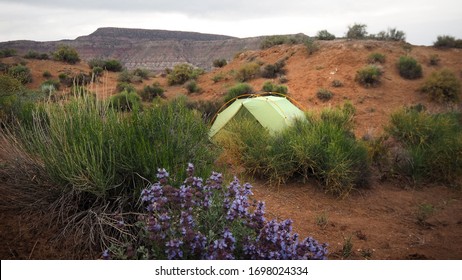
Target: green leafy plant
369,76
357,31
271,71
270,87
409,68
21,73
192,87
442,86
324,94
324,35
248,72
181,73
125,101
219,63
237,90
66,54
149,93
376,58
446,41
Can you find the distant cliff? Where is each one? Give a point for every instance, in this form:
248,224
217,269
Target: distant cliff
151,49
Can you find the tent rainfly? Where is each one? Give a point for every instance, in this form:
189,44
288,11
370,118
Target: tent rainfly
272,112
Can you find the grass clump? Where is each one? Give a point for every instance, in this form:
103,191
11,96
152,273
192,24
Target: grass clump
270,87
369,76
432,145
324,94
237,90
376,58
125,101
321,147
442,86
248,72
409,68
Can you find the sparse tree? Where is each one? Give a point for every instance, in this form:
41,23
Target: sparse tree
357,31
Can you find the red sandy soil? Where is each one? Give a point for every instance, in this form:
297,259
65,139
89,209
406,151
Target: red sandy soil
380,222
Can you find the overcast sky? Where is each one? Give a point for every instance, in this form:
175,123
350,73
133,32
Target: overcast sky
47,20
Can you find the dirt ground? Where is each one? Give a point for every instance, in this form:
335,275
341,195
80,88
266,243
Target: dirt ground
390,220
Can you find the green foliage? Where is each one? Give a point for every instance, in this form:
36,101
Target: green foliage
219,63
87,146
409,68
20,72
357,31
97,71
271,71
321,147
432,145
66,54
124,86
325,35
324,94
207,108
237,90
125,77
446,41
149,93
192,87
113,65
7,52
311,45
392,34
248,72
125,101
36,55
142,73
181,73
442,86
434,60
376,58
270,87
9,85
275,40
218,77
49,86
47,74
424,211
369,76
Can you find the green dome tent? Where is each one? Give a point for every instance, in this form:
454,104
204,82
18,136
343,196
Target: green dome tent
272,112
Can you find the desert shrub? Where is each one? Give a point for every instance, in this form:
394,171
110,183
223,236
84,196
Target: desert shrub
7,52
324,94
237,90
207,108
324,35
275,40
218,77
248,72
271,71
96,62
409,68
392,34
442,86
48,87
337,83
66,54
219,63
207,220
125,101
181,73
311,45
432,145
369,76
357,31
9,85
97,71
149,93
446,41
270,87
192,87
434,60
376,58
36,55
20,72
124,86
142,73
322,147
113,65
125,76
47,75
89,147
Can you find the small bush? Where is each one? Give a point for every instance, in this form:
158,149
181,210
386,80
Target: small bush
376,58
66,54
219,63
181,73
36,55
311,45
192,87
142,73
432,145
113,65
271,71
20,72
324,94
434,60
47,74
124,86
149,93
248,72
207,108
337,83
325,35
97,71
442,86
237,90
369,76
218,77
392,34
125,77
275,40
50,84
446,41
270,87
409,68
7,52
357,31
125,101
